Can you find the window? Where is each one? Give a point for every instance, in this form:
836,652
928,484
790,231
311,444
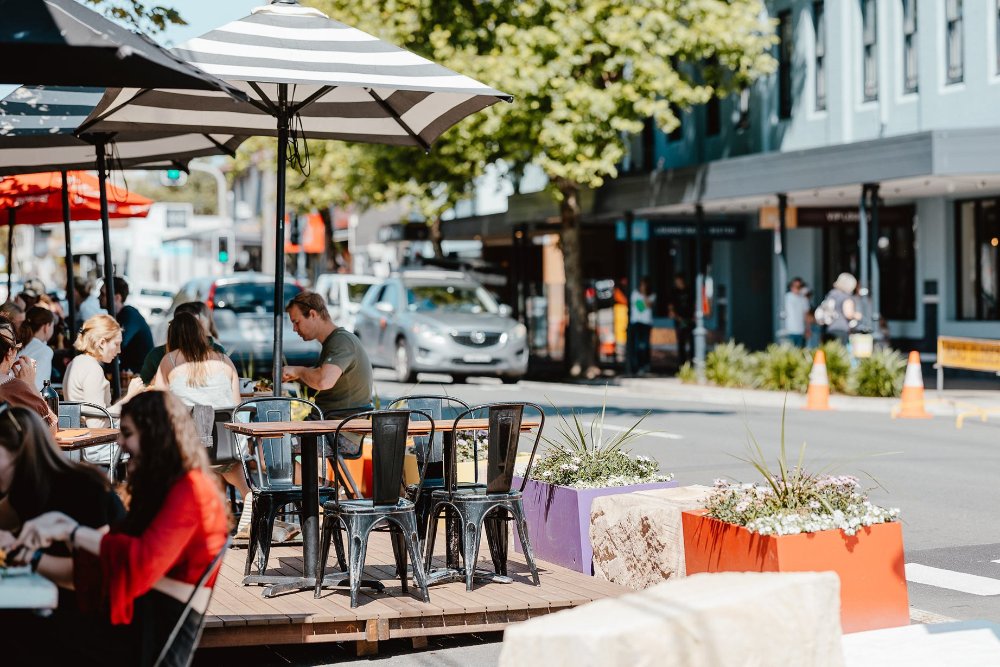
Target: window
869,45
819,29
713,117
785,50
910,75
953,26
978,241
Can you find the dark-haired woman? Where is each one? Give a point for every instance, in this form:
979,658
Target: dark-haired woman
17,378
36,331
194,372
141,573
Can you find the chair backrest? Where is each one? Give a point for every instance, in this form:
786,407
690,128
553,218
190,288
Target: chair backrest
73,413
172,653
275,463
438,407
389,431
225,445
503,435
204,422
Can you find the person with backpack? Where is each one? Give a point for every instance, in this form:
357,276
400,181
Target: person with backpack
839,314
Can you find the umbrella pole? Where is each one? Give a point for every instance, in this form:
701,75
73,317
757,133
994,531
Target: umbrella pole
109,272
70,291
279,236
11,215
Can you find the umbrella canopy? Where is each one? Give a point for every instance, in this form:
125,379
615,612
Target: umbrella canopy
61,42
37,126
305,72
37,198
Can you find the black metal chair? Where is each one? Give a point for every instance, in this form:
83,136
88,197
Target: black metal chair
81,414
430,455
474,504
386,506
269,469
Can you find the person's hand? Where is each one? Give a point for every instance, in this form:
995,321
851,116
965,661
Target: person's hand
291,373
135,386
7,540
24,369
42,531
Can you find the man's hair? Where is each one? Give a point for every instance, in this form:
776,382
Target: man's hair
121,288
308,301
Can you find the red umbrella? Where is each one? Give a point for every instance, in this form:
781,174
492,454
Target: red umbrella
37,198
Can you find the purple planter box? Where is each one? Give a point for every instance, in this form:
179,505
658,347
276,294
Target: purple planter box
559,520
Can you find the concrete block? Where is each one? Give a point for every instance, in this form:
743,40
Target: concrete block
637,538
706,620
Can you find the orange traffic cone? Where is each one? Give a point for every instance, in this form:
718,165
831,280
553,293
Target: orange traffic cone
818,396
911,405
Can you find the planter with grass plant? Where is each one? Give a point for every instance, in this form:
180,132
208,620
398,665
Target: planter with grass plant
579,465
801,522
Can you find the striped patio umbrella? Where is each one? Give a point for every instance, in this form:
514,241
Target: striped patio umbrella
305,75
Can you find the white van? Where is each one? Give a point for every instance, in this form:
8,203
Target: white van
343,293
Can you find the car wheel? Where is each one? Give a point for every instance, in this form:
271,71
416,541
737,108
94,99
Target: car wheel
510,379
404,369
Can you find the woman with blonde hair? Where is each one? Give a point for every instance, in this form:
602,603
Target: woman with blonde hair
100,342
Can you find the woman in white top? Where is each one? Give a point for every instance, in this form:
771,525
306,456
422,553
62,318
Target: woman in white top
100,340
38,327
193,371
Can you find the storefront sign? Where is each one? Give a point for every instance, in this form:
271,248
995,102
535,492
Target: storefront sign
770,217
720,231
974,354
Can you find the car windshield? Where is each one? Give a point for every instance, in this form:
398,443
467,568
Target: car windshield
356,291
251,297
449,298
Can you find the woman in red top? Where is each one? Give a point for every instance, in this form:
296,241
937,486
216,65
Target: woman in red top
148,565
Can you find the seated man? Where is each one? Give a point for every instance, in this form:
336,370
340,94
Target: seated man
137,338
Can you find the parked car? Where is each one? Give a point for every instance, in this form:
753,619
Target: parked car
150,299
441,322
343,293
242,305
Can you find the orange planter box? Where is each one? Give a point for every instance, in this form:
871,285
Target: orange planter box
869,564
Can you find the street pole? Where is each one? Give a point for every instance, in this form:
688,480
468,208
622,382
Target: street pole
699,307
279,237
780,237
863,232
630,246
876,291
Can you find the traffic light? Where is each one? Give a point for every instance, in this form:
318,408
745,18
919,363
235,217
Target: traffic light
224,249
173,178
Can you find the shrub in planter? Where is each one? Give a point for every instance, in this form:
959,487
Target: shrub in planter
729,365
581,464
838,365
782,368
879,375
687,374
799,521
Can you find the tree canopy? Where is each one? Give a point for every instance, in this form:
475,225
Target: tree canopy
139,15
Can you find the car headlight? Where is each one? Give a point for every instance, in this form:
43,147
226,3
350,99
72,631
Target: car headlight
428,331
520,332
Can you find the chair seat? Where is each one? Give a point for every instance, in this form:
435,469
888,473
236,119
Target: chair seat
366,506
473,493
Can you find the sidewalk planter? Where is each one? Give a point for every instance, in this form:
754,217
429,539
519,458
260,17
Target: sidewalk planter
559,520
869,564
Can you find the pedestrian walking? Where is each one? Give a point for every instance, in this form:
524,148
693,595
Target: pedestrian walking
641,326
839,314
682,312
796,313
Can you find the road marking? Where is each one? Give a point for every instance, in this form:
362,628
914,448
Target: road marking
652,434
956,581
995,561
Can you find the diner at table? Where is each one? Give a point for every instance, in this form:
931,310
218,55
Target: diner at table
17,378
38,328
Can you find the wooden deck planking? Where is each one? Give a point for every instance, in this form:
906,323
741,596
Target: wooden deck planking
240,616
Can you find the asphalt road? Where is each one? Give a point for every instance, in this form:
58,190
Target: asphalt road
943,480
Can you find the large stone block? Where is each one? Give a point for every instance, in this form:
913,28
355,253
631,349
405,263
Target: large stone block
637,538
733,618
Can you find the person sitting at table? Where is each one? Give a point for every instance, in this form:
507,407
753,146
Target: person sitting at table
35,478
17,378
39,325
197,308
13,313
139,575
100,340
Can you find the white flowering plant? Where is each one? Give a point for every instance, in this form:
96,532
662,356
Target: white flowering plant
469,444
793,501
590,458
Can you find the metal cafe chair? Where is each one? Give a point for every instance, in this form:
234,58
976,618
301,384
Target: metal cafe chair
74,414
475,504
386,509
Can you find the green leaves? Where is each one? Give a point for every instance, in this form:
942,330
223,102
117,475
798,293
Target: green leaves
150,19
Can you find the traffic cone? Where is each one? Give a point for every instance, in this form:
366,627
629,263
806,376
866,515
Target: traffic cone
818,396
911,404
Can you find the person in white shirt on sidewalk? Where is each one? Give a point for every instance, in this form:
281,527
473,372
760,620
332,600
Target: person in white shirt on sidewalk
796,313
641,326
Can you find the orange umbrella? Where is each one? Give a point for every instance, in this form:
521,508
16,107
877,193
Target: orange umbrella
37,198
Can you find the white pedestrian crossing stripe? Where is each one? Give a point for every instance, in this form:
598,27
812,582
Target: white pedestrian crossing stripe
957,581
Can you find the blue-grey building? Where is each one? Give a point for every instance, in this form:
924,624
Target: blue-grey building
887,102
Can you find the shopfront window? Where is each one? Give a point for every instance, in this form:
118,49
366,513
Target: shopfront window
978,280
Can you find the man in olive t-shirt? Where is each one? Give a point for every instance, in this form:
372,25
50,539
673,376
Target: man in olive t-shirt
343,375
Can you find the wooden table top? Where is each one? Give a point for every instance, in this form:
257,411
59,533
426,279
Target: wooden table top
359,426
27,591
85,437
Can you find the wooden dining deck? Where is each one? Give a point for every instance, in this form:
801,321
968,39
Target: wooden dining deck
240,616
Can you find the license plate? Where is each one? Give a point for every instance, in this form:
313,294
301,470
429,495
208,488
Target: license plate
477,358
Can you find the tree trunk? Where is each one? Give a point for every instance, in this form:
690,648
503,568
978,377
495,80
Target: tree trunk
437,237
580,353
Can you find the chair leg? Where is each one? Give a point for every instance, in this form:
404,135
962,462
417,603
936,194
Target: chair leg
264,536
432,528
409,530
517,509
495,525
324,551
254,535
399,553
471,534
338,543
358,530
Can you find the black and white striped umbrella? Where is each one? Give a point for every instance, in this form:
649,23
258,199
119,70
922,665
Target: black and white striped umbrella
303,72
37,133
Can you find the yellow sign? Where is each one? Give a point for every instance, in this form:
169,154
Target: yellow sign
974,354
770,217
